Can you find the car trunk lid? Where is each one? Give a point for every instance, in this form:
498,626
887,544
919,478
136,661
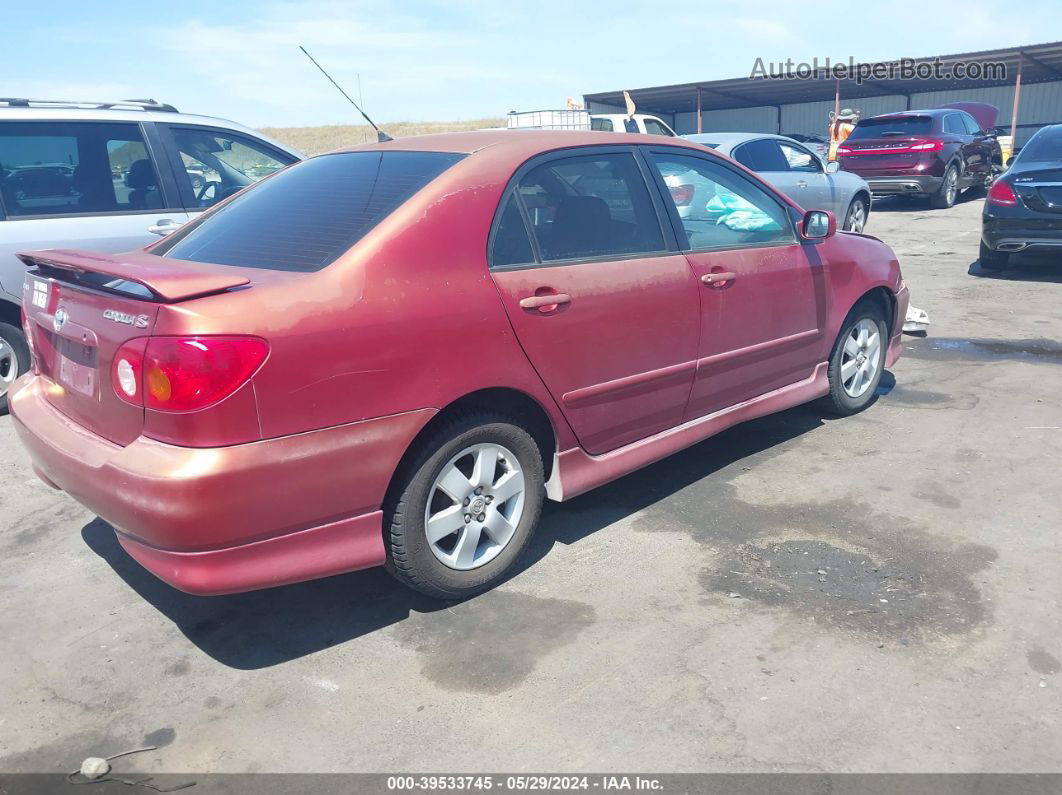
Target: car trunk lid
1040,189
881,154
81,307
887,143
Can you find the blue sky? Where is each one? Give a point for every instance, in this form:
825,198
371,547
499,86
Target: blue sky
456,59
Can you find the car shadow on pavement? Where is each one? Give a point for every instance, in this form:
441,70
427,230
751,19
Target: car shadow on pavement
260,629
1023,268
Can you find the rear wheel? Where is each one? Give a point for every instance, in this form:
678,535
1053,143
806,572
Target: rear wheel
14,360
948,191
469,503
856,218
857,360
992,260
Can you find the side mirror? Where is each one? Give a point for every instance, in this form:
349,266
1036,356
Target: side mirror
833,167
1010,160
818,225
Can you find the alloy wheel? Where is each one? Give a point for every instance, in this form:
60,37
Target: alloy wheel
952,188
474,506
857,217
861,357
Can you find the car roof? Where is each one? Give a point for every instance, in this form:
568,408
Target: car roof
732,139
71,114
516,141
927,112
499,152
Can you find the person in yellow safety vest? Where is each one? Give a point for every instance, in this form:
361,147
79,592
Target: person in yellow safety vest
840,127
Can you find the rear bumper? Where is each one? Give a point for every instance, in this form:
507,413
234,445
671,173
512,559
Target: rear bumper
347,545
913,185
1009,235
220,520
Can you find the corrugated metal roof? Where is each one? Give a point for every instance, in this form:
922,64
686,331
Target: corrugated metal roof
1040,63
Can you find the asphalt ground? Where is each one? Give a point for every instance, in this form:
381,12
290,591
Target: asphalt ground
877,593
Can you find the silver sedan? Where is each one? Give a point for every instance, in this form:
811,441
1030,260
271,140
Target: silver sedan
797,172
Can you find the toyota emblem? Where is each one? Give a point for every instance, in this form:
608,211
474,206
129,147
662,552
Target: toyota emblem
59,320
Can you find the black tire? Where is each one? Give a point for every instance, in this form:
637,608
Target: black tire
992,260
858,201
945,198
14,359
838,401
409,555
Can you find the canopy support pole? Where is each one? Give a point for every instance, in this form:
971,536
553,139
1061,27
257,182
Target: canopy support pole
1014,109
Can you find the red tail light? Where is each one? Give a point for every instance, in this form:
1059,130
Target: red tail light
184,373
1002,193
682,194
900,148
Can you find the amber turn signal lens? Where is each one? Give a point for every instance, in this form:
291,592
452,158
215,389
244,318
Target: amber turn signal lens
158,385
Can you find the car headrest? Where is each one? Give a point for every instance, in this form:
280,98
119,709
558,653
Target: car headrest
581,227
141,175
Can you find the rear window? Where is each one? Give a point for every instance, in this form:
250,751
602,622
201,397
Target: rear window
1044,146
303,218
896,125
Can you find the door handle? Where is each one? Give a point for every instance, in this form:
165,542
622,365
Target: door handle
802,184
163,227
718,279
545,303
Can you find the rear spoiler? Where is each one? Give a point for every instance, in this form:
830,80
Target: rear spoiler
168,280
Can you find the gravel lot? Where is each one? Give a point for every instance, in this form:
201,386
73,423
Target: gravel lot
879,593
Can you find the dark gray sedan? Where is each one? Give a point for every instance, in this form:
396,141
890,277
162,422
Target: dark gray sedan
798,172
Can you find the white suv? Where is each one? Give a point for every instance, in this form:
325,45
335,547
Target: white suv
108,177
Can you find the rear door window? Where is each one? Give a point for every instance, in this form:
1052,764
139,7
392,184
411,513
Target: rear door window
511,244
602,125
762,155
953,124
57,169
305,217
591,206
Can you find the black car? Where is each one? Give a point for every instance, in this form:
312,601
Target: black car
1023,211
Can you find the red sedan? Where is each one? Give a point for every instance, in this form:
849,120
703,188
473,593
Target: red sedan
390,355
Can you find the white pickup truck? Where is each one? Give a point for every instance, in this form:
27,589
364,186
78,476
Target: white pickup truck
583,120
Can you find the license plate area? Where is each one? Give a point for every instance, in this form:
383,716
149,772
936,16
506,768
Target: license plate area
77,366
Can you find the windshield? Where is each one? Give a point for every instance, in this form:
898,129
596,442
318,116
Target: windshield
892,126
1045,146
303,218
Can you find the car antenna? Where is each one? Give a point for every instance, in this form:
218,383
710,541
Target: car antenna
381,136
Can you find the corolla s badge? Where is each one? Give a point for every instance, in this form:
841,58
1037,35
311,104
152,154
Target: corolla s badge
136,321
60,319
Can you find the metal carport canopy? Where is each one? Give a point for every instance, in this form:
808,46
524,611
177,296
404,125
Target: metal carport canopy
1040,63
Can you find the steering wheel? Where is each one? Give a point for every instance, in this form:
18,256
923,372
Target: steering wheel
200,195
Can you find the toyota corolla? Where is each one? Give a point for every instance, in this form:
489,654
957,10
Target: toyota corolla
390,355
